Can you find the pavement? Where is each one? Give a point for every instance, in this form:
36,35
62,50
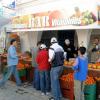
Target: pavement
26,92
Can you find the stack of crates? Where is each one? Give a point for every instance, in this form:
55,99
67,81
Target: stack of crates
67,89
90,92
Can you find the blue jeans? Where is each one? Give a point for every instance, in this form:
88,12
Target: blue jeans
45,81
36,79
11,70
55,85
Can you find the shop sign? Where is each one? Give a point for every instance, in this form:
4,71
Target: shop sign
21,22
98,10
54,19
79,15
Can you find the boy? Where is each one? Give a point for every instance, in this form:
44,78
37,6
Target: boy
80,73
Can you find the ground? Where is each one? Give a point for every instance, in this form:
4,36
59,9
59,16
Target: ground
12,92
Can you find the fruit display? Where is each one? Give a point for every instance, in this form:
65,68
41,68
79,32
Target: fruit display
97,78
88,18
90,81
27,66
68,63
69,77
94,66
20,66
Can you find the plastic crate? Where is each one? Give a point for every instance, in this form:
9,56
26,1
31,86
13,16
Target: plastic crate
89,96
68,93
23,79
67,89
22,72
31,74
90,88
90,92
66,85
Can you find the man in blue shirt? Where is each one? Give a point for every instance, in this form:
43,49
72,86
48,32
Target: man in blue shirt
12,61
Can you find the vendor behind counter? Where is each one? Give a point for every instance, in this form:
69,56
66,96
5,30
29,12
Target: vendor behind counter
70,50
94,50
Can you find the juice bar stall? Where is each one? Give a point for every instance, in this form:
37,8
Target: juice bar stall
78,16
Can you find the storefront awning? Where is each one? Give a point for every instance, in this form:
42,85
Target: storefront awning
72,15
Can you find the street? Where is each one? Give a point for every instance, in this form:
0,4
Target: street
12,92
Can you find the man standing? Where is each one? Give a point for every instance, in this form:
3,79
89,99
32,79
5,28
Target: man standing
56,58
94,50
12,61
36,79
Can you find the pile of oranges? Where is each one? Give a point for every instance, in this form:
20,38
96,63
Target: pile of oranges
20,66
94,66
69,77
97,78
68,63
90,81
27,65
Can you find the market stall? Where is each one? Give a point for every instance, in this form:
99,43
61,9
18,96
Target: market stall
92,84
82,18
24,68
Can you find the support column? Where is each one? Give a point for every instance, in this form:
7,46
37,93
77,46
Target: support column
84,37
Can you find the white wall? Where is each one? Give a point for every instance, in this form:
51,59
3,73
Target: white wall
48,5
24,41
83,37
34,37
29,39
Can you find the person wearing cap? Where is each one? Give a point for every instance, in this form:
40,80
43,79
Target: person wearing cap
12,61
44,69
69,49
56,58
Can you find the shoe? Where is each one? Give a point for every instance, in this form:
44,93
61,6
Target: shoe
51,98
42,94
3,87
47,93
